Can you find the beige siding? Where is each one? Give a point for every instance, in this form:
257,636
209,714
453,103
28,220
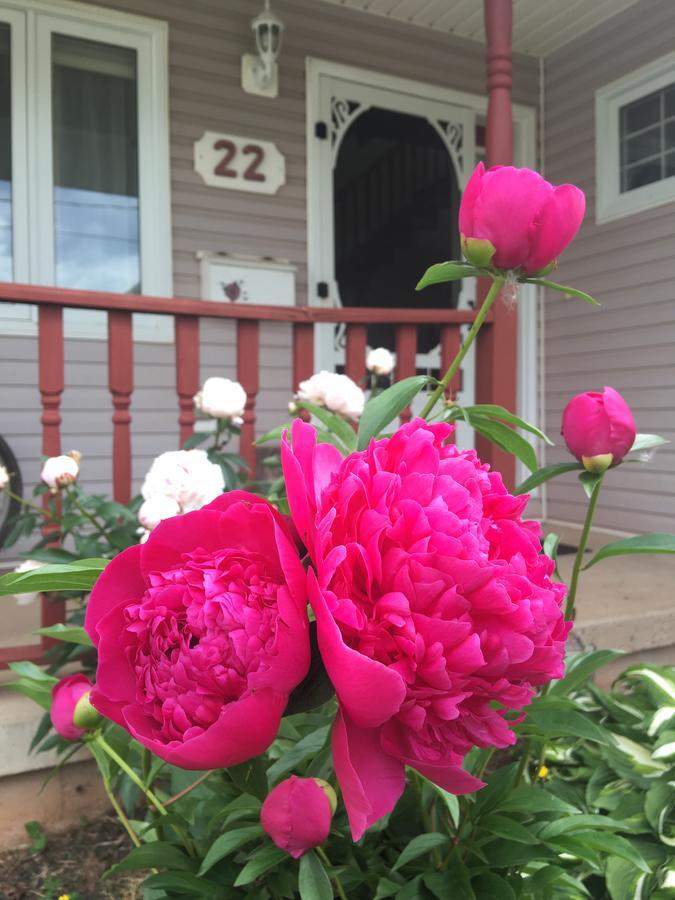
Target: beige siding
207,38
628,264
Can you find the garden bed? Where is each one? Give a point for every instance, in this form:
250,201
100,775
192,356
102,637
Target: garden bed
71,864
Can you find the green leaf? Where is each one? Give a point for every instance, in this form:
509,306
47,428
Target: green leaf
262,861
439,273
507,439
79,575
550,545
545,474
567,723
589,482
37,836
158,854
459,878
274,435
313,882
338,426
228,843
563,288
614,845
489,886
503,826
72,634
196,439
578,823
450,800
308,746
29,670
184,883
660,681
647,442
418,846
381,410
550,875
530,799
580,668
493,411
623,879
656,542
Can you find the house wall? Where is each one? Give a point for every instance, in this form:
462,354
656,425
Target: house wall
628,264
206,40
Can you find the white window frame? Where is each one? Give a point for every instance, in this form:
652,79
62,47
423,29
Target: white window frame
611,204
33,22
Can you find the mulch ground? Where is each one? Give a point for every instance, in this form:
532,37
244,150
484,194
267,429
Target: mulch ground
71,865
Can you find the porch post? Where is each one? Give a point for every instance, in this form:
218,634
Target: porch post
497,350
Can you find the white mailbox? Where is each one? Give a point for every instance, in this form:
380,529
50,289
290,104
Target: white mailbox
247,280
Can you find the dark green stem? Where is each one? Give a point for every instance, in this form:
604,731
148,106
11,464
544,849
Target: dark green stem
583,541
38,509
321,853
87,514
495,287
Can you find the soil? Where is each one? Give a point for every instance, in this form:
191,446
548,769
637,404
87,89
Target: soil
70,866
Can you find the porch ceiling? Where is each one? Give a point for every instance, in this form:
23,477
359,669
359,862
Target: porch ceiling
539,26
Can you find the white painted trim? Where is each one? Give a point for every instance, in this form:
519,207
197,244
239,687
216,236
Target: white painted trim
149,38
525,122
611,204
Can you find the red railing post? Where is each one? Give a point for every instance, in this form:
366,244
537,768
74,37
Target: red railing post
355,354
248,375
497,346
121,385
51,384
303,352
406,351
187,372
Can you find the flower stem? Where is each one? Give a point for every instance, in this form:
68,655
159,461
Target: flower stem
321,853
202,778
121,815
38,509
126,768
583,541
86,513
495,287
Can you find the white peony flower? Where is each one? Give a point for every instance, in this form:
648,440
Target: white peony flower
380,361
222,399
155,509
4,478
59,471
28,565
337,393
185,476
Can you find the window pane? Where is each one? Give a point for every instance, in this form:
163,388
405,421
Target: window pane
5,155
95,165
670,164
643,173
641,113
670,136
670,100
646,143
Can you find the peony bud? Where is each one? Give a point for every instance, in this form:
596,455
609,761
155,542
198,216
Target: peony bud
380,361
222,399
155,509
297,814
598,429
85,715
4,478
527,221
66,694
335,392
60,471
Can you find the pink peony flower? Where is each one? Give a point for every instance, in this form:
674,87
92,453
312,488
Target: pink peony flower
434,606
65,696
598,424
297,814
202,633
528,221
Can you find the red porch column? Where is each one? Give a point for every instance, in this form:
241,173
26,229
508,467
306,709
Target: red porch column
497,346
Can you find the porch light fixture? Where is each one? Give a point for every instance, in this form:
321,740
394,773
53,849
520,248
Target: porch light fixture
259,74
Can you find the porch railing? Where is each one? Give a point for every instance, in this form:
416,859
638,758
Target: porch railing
187,314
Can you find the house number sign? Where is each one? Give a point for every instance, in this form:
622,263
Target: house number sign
239,163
